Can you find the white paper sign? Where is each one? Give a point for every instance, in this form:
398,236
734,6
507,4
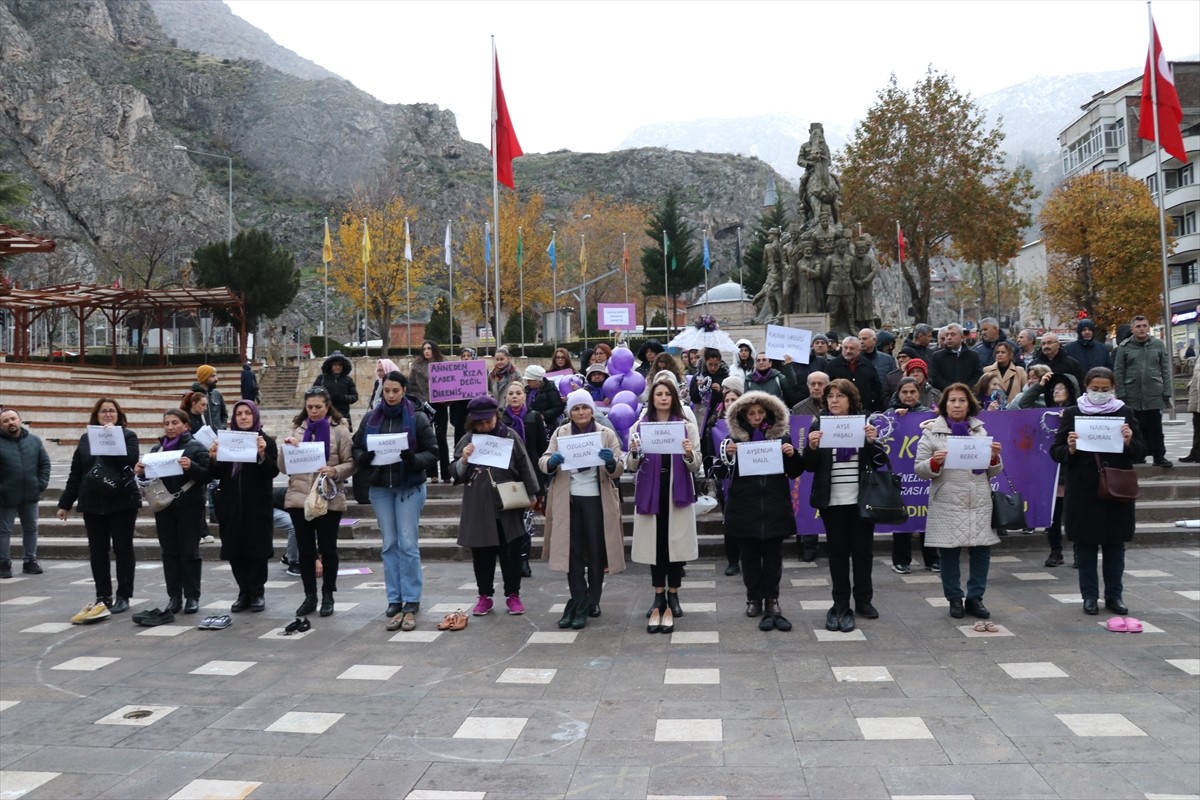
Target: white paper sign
1099,434
299,459
162,464
792,342
106,441
240,446
663,438
968,452
843,431
205,436
387,447
580,451
760,458
491,451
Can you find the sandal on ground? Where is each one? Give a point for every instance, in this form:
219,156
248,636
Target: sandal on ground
984,626
460,620
1118,624
298,625
1133,625
447,621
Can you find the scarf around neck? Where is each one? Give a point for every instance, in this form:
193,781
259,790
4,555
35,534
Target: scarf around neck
1088,407
518,419
648,485
318,432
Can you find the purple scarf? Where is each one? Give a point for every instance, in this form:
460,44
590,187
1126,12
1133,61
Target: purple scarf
576,430
759,434
404,410
759,377
518,420
318,432
530,394
648,484
843,454
169,444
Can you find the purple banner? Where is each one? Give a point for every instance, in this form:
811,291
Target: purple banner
457,380
1025,437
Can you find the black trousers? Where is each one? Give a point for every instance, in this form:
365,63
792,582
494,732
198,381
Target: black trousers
762,567
1054,532
733,549
441,421
1150,423
179,530
484,561
664,572
1195,451
850,540
902,550
588,554
809,544
321,532
115,529
250,574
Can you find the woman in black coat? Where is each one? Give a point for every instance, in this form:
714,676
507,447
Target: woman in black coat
245,511
531,427
1093,523
109,513
758,510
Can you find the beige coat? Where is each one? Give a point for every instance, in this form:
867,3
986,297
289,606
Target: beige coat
1193,405
556,545
340,458
960,502
1013,381
681,529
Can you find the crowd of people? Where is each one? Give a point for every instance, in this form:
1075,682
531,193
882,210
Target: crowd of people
702,425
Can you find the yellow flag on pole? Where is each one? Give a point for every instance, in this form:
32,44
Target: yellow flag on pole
327,248
583,256
366,245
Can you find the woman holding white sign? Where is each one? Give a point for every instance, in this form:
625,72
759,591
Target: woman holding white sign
244,509
319,423
397,491
835,483
109,502
664,450
960,497
1101,432
759,509
488,457
418,391
181,524
583,509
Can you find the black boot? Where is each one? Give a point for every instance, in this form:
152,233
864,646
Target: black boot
568,612
326,604
526,572
673,603
241,604
308,606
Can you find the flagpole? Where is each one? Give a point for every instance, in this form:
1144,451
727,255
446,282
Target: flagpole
366,316
583,281
450,300
667,283
706,270
495,201
407,285
487,275
625,264
554,284
325,300
1152,58
521,279
741,281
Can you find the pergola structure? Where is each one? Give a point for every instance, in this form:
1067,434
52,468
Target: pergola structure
14,242
114,304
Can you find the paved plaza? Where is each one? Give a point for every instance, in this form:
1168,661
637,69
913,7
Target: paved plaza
914,704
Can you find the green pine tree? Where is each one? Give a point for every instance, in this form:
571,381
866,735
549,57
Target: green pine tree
755,274
438,328
683,259
264,273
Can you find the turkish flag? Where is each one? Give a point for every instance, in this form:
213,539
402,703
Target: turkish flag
1170,112
505,138
901,242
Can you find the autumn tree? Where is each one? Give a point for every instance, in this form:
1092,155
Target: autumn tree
678,268
756,273
261,271
386,268
1102,247
608,226
927,159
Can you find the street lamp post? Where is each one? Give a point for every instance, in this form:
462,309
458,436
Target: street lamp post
229,159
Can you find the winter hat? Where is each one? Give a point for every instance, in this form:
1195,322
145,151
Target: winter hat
580,397
596,368
470,351
534,373
1084,323
204,372
820,337
917,363
734,384
482,407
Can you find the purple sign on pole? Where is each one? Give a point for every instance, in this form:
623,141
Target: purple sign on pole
1025,437
616,316
457,380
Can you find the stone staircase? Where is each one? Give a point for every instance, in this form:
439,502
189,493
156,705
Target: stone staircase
280,387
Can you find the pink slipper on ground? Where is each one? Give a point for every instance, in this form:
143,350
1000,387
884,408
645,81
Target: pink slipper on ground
1119,625
1133,625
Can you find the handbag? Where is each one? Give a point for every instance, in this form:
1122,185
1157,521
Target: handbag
158,496
879,496
316,503
105,480
510,495
1008,510
1116,484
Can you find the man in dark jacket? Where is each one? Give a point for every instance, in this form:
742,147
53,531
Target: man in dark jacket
217,416
918,346
543,396
954,363
249,383
335,378
851,366
990,335
1087,349
882,362
1054,357
24,475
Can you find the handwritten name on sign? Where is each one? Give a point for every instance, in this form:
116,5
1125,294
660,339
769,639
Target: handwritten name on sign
457,380
968,452
491,451
162,464
240,446
792,342
580,451
386,447
760,458
663,438
1099,434
106,441
843,431
299,459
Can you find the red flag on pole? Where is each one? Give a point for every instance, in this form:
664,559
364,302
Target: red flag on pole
504,138
901,242
625,257
1158,89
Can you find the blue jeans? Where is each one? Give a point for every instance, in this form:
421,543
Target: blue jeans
1113,568
980,557
283,521
399,515
28,512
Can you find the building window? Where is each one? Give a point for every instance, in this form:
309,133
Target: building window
1184,176
1183,274
1114,136
1084,149
1152,185
1185,225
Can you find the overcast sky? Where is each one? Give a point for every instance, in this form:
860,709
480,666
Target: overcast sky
582,75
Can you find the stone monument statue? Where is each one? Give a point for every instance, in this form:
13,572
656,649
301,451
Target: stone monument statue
839,292
810,281
819,187
864,273
769,299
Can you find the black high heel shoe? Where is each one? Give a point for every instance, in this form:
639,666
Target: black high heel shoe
673,602
656,610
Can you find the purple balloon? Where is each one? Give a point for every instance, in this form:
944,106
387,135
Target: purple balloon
633,382
611,386
625,398
622,416
621,361
568,384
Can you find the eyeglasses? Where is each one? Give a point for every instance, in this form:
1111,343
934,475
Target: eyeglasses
315,391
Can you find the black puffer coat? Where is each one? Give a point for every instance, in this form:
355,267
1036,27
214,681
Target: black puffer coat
90,500
244,505
760,506
196,495
342,391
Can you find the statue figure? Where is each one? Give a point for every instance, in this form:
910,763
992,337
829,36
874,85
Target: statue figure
810,281
824,235
767,301
864,272
839,292
788,247
819,187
